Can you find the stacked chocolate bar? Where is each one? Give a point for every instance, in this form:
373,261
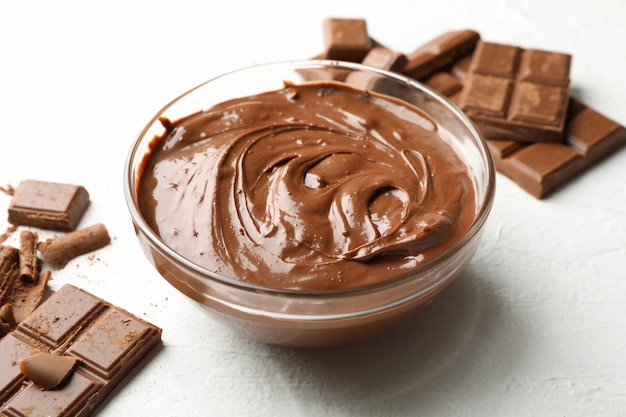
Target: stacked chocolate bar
539,136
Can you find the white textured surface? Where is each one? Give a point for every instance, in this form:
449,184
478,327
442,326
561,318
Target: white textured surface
536,326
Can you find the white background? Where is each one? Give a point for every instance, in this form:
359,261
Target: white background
536,326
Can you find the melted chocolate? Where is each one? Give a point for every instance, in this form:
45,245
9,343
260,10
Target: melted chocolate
313,186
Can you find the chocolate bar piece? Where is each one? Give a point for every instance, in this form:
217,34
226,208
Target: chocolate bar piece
440,52
48,205
541,168
346,39
106,341
517,94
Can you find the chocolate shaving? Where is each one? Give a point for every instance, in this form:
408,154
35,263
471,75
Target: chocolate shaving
47,370
7,319
66,247
29,264
8,190
8,264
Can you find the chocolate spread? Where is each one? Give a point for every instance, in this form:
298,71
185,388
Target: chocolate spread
310,187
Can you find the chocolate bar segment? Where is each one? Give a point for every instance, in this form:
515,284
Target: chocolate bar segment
106,341
517,94
48,205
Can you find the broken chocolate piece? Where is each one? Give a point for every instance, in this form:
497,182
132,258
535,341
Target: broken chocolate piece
63,248
440,52
29,264
48,205
346,39
517,94
106,341
47,370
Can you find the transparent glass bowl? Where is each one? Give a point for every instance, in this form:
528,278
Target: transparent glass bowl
315,318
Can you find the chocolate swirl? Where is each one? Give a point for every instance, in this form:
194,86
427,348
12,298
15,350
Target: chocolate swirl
312,186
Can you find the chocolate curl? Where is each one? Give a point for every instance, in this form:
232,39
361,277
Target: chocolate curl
29,264
66,247
7,319
8,264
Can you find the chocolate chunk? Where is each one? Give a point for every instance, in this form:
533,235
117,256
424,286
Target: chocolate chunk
29,264
517,94
61,249
346,39
384,58
541,168
48,205
47,370
106,342
440,52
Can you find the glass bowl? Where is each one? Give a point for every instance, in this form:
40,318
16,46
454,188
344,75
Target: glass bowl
315,318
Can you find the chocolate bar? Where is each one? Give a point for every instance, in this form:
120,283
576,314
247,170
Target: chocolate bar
517,94
105,340
541,168
48,205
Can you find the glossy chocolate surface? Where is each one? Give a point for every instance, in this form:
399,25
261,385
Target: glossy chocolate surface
313,186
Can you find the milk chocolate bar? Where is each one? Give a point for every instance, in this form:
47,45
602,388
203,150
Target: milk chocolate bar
517,94
106,341
541,168
48,205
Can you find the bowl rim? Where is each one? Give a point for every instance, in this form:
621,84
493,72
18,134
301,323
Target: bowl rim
480,218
